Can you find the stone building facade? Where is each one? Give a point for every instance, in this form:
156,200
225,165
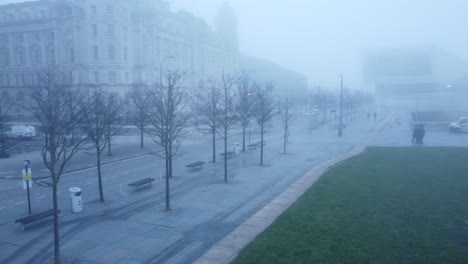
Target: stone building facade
111,43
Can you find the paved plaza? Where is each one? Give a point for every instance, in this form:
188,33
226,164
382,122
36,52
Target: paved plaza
131,226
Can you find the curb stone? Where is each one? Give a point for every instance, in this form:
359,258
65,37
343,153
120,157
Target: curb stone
226,250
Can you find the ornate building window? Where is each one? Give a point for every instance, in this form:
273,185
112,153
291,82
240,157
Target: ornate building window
93,10
109,10
36,55
96,77
4,57
20,56
51,56
95,53
110,30
111,53
94,29
112,77
71,54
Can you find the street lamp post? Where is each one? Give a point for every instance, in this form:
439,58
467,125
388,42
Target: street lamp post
161,69
340,126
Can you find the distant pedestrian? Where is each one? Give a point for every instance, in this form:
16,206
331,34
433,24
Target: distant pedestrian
375,116
415,133
368,115
422,133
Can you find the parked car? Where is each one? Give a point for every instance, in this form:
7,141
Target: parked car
20,132
461,126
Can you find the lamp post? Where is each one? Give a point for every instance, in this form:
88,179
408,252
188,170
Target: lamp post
161,69
340,126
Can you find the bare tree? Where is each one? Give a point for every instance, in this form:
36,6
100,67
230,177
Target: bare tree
59,110
287,117
169,118
113,119
264,110
98,126
244,104
207,107
228,116
6,103
137,108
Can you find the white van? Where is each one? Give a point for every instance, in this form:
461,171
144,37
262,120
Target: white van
461,126
20,132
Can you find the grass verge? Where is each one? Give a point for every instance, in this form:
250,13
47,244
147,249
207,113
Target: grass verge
389,205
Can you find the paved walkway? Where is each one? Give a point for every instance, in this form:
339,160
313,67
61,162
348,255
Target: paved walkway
228,248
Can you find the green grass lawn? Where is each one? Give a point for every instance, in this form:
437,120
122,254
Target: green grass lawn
389,205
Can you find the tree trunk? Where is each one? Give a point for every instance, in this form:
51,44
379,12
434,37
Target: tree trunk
98,157
285,137
141,138
225,155
243,137
170,161
56,222
109,152
261,144
168,204
213,132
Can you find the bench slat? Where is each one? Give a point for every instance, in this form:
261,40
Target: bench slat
195,164
141,182
36,217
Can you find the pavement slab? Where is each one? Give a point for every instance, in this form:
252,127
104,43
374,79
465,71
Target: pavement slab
227,249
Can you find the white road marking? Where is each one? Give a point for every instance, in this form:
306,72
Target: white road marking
9,188
40,197
8,172
1,208
21,203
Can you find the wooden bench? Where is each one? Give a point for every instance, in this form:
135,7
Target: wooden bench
194,165
252,146
228,154
34,218
141,182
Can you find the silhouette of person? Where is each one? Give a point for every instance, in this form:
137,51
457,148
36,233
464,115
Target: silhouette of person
415,133
375,116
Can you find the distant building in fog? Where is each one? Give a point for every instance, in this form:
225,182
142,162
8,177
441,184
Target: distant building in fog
287,82
112,43
116,43
411,70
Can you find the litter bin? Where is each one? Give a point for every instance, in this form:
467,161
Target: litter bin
76,200
236,148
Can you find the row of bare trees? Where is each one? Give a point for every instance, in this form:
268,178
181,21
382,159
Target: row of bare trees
327,102
75,119
220,105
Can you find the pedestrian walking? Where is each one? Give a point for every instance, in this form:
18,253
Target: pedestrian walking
422,133
415,133
368,115
375,116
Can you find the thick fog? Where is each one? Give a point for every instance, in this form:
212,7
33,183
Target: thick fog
321,38
324,37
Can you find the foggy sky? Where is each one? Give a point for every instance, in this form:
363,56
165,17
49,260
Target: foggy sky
321,38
